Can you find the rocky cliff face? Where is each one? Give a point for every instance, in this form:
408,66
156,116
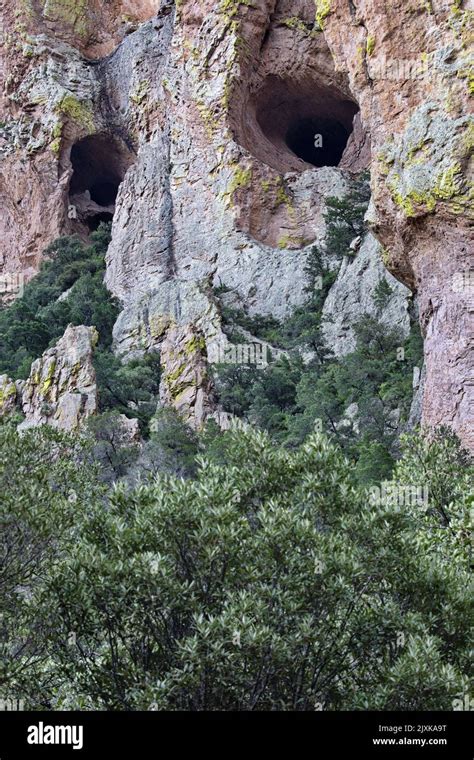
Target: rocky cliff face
410,68
212,134
61,389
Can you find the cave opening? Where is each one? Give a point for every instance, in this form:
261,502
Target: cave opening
294,125
99,163
320,142
93,222
104,193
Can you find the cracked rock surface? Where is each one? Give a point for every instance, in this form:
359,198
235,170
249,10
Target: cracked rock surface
202,110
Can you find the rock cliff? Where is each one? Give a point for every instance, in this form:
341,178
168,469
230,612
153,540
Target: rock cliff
61,389
212,133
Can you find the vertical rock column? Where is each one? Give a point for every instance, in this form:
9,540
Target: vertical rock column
410,69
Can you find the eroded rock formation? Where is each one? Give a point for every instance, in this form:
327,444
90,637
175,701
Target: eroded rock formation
410,68
8,395
186,384
196,131
352,295
61,389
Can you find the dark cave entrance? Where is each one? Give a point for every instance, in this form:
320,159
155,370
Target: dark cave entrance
320,142
104,193
99,163
293,125
93,222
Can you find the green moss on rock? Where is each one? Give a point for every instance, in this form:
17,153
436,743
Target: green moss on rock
241,179
323,9
197,344
449,186
74,13
7,393
76,110
296,23
48,379
370,45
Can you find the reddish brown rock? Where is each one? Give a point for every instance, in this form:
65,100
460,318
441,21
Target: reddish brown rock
410,68
200,130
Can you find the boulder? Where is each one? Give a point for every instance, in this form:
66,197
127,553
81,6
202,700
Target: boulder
61,388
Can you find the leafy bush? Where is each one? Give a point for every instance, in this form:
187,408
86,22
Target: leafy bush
131,388
265,328
112,450
172,448
45,481
270,581
289,398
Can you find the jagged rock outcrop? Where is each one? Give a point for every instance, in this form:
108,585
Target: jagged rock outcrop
410,68
213,134
92,26
353,294
416,410
61,388
8,395
130,434
185,382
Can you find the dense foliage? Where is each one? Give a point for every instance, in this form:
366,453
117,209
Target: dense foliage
250,570
36,321
69,289
267,581
362,399
42,488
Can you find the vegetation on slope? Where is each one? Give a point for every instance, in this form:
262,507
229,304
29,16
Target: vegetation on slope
269,580
295,395
69,289
250,570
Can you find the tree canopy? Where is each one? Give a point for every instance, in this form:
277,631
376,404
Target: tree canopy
268,580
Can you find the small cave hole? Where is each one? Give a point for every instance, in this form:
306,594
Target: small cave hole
292,125
99,163
320,142
93,222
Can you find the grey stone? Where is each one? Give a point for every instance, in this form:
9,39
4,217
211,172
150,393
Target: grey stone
61,388
351,297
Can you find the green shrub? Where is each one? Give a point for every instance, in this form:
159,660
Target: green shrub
269,581
46,480
38,319
131,388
